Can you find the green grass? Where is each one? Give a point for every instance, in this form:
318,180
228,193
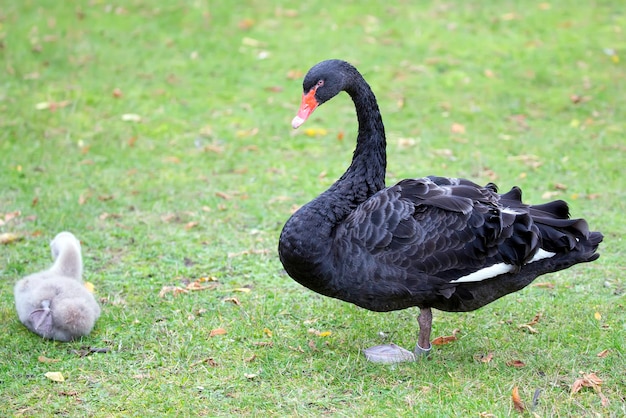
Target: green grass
216,86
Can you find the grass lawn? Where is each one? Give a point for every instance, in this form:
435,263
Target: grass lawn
158,132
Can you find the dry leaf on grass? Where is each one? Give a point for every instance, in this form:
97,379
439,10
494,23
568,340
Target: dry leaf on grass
536,319
172,289
9,216
217,331
9,238
529,328
242,290
319,333
446,339
515,363
517,402
603,353
590,380
52,106
209,360
457,128
487,358
233,300
546,285
44,359
190,225
55,376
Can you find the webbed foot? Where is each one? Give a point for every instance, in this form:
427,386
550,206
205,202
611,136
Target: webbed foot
388,353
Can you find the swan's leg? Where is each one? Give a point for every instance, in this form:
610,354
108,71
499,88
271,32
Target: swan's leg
425,321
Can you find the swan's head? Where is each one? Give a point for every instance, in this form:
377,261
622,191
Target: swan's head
61,241
323,82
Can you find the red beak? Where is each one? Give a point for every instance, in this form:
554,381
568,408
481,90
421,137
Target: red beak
308,105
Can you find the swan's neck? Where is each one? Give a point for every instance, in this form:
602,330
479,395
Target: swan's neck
366,174
69,262
305,242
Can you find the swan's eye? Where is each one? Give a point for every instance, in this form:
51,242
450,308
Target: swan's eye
320,83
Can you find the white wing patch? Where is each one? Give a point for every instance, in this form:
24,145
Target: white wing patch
498,269
541,254
486,273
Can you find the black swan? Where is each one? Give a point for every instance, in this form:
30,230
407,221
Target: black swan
433,242
54,303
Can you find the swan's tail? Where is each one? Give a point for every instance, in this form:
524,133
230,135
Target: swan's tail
569,239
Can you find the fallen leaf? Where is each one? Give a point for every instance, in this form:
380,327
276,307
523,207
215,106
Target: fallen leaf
52,106
517,402
457,128
117,93
245,24
131,117
89,286
597,316
314,132
264,343
233,300
529,160
55,376
195,286
11,215
267,332
487,358
603,353
529,328
536,319
172,289
590,380
223,195
104,216
217,331
550,195
443,340
82,199
9,238
294,74
210,361
250,359
546,285
44,359
190,225
319,333
250,375
242,290
515,363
